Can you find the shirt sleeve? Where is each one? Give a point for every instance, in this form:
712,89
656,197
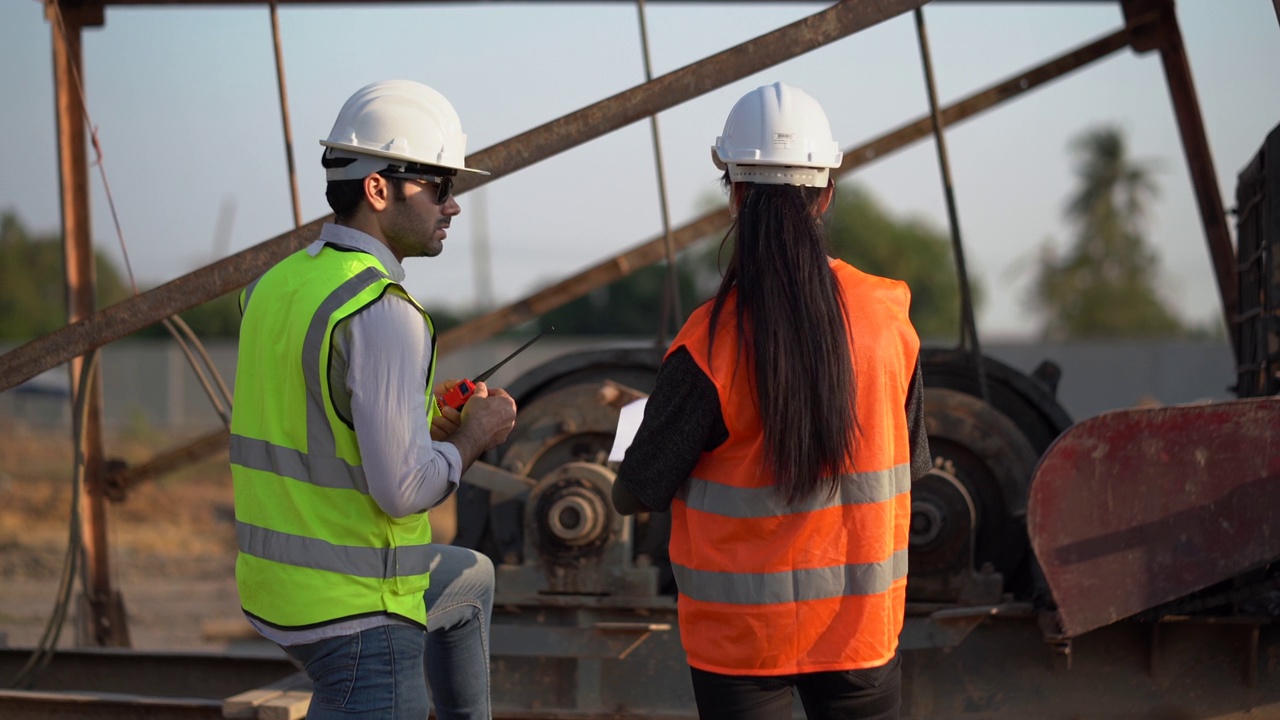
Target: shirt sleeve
387,353
682,419
921,458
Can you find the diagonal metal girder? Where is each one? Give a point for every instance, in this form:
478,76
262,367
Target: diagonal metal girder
647,253
231,273
651,251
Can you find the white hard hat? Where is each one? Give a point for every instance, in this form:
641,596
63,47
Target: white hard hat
395,123
777,135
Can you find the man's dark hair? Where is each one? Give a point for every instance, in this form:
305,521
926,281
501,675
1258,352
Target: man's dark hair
791,314
345,196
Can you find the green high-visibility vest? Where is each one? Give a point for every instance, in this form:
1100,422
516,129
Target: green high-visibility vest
314,546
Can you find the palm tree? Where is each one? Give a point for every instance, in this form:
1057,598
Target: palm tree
1105,285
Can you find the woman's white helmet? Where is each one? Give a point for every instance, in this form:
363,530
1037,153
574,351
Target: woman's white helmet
395,123
777,135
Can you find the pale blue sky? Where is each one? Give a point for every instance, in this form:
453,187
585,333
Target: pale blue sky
185,101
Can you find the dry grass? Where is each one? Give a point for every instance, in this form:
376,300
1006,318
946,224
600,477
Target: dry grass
185,516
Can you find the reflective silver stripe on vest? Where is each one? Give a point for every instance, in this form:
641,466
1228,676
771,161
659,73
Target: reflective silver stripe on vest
326,472
248,292
736,502
320,440
380,563
792,586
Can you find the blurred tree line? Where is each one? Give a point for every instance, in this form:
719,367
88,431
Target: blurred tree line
861,231
1103,285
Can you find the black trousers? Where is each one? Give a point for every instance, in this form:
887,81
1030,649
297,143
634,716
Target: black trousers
870,694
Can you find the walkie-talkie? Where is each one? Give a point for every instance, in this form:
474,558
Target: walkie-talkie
460,393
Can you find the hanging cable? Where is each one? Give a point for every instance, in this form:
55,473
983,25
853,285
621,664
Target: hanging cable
968,325
44,650
671,287
168,323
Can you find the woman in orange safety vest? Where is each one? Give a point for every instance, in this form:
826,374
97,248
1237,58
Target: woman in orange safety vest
783,434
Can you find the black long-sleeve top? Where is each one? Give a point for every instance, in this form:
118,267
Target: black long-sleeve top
683,419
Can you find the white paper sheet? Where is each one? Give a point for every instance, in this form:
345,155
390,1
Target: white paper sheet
628,423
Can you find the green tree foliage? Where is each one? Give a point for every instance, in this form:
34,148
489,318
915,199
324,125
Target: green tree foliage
33,294
864,234
33,288
1105,284
861,231
630,306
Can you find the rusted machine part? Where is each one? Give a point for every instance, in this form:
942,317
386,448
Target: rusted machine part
1258,243
992,460
1163,34
570,539
990,454
1135,508
941,553
1027,400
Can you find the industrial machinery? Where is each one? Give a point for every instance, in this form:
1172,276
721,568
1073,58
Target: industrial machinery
1120,566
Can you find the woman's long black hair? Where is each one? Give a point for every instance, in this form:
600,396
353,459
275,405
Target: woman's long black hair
791,314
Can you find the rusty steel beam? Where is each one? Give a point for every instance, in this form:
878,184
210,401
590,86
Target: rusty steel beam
120,481
506,157
1162,33
162,3
101,626
843,19
652,251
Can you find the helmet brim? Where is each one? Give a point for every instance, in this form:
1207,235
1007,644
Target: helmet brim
347,147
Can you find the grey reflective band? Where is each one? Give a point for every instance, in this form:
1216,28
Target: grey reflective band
326,472
791,586
736,502
248,291
320,440
379,563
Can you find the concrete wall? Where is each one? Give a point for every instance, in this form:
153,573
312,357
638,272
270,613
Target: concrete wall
149,385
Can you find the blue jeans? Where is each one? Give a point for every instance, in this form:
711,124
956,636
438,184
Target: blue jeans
379,672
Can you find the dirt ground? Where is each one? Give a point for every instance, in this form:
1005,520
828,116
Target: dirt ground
171,544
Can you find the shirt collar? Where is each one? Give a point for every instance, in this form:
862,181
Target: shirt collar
346,237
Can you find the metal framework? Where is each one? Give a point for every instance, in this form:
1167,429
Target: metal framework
1149,25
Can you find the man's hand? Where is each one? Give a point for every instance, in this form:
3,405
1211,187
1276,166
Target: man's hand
446,420
493,412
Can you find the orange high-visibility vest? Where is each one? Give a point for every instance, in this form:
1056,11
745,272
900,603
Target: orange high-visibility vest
766,588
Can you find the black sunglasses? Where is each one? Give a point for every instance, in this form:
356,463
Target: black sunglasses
443,183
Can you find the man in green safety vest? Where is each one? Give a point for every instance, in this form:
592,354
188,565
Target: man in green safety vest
338,446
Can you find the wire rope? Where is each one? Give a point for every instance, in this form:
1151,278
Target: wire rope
671,286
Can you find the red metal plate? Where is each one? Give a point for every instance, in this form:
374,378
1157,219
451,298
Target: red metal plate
1134,508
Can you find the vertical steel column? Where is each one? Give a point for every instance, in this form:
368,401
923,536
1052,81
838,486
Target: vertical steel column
1165,36
100,625
284,115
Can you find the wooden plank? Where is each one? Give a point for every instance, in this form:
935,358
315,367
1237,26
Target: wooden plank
289,706
248,703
